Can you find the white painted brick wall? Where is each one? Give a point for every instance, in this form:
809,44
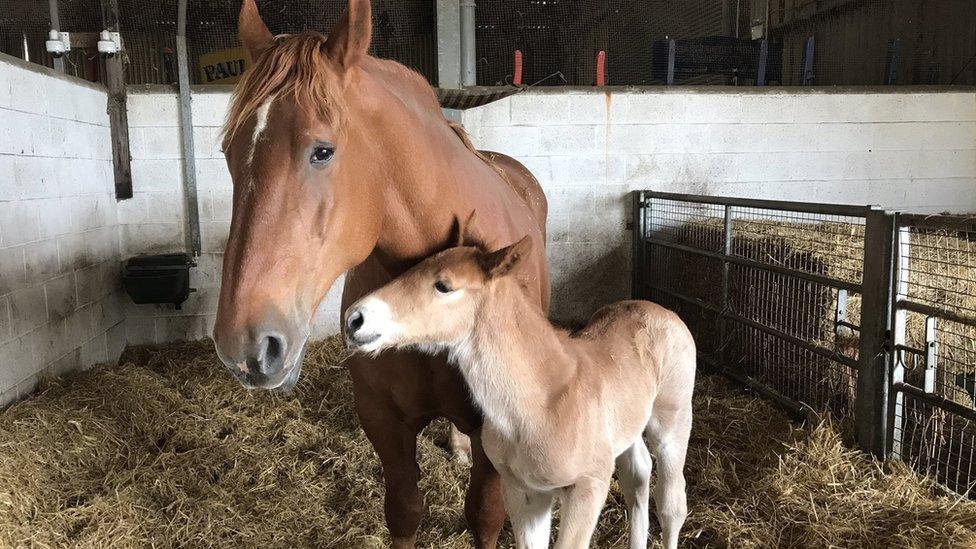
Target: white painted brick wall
589,149
60,305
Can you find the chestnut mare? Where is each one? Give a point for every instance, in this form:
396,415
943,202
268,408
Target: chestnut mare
344,163
560,409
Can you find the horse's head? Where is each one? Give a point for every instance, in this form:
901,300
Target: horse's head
304,207
435,305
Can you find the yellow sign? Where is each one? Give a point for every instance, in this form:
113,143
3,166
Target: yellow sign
222,67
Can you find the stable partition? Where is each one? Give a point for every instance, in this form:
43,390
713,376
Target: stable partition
60,301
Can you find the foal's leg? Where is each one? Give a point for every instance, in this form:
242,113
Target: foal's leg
668,433
634,474
460,445
531,516
581,505
396,445
483,504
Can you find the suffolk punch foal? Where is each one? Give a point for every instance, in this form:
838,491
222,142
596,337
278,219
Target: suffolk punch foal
560,409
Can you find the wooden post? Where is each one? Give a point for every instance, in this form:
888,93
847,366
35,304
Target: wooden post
891,65
117,112
671,60
638,232
761,65
191,207
808,62
873,376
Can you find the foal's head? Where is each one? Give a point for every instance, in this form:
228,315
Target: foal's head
435,304
307,148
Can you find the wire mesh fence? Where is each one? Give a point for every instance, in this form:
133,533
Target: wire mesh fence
771,294
774,291
935,333
402,30
839,42
559,42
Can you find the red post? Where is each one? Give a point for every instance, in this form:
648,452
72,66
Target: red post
601,65
517,78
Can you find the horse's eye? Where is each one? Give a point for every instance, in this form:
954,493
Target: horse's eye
322,155
442,287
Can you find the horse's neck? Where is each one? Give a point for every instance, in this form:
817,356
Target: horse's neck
436,180
515,361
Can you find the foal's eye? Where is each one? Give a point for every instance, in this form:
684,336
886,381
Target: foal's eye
442,287
322,154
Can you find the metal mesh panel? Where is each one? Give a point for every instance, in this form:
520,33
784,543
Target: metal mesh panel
941,270
877,41
813,243
838,42
934,428
793,371
937,443
402,30
866,42
774,302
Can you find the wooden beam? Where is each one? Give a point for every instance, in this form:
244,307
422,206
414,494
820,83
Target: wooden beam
117,111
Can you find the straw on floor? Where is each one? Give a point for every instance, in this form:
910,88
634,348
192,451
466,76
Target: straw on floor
166,450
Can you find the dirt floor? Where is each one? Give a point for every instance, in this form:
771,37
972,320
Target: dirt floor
166,450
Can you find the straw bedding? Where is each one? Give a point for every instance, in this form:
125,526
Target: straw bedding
166,450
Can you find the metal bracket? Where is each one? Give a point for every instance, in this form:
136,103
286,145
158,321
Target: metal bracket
109,43
58,43
931,353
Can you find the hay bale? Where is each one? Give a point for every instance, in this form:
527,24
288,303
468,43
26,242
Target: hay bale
167,450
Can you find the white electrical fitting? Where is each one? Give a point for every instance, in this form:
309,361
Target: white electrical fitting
109,43
58,43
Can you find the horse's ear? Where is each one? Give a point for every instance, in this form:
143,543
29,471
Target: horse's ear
466,233
501,262
254,34
349,40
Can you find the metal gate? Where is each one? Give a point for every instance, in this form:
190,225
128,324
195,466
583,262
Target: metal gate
933,408
804,304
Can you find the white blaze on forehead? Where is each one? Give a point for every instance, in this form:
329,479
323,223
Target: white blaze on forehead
261,115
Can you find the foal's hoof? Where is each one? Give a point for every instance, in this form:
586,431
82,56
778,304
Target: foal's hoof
460,446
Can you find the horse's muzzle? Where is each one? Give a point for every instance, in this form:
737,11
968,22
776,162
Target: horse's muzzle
262,361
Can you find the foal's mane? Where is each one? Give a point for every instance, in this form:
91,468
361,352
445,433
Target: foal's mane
296,65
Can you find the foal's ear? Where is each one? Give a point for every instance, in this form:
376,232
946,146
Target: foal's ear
466,232
501,262
254,34
349,40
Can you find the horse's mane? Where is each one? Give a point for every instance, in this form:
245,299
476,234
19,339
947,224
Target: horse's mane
296,65
466,140
292,65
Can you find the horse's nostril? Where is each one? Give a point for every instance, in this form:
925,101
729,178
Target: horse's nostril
274,349
354,322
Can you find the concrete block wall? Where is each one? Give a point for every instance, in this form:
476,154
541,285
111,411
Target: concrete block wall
589,148
152,222
60,305
913,150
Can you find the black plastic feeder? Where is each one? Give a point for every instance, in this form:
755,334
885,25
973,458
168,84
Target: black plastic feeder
161,278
